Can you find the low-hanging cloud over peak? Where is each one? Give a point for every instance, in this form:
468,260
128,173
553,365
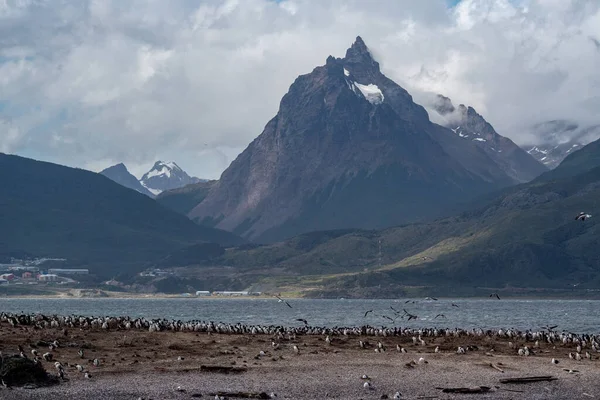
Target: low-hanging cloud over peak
93,83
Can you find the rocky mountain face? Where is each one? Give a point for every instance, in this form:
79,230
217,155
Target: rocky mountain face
467,124
348,149
119,174
184,199
526,237
559,138
166,176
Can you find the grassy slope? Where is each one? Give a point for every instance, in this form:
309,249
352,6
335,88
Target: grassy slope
527,236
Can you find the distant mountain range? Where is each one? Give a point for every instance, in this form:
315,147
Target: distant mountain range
350,190
465,122
559,138
163,176
524,238
49,210
349,148
123,177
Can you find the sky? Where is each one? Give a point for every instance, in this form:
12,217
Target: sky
91,83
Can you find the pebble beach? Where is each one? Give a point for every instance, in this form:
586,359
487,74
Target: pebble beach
139,364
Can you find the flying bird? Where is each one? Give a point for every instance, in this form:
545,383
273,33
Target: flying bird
550,328
495,294
282,300
440,315
410,316
454,305
367,313
391,319
302,320
582,216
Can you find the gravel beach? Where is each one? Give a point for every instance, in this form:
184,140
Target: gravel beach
172,365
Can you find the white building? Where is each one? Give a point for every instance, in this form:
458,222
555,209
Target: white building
68,271
229,293
48,278
202,293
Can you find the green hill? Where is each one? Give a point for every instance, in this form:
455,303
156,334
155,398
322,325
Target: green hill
526,237
55,211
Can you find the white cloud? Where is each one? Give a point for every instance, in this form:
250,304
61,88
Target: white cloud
96,82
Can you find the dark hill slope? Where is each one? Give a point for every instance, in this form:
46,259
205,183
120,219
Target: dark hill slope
51,210
184,199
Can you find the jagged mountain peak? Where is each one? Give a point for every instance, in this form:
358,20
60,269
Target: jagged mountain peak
348,148
360,61
119,166
121,175
166,176
469,125
165,167
358,51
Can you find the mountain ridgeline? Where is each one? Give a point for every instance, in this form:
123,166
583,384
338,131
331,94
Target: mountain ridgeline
526,238
49,210
119,174
163,176
349,148
559,138
469,125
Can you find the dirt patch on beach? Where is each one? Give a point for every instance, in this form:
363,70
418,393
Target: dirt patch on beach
160,365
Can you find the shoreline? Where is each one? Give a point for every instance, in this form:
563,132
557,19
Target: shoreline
119,295
174,364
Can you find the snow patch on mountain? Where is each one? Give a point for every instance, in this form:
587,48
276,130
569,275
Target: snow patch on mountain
371,92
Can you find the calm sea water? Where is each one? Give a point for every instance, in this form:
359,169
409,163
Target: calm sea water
578,316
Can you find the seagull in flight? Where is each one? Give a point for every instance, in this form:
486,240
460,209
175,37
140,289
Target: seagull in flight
550,328
440,315
391,319
410,316
367,313
394,310
454,305
582,216
282,300
302,320
495,294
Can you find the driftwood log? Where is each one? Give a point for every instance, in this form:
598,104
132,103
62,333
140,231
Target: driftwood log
496,367
222,369
242,395
477,389
529,379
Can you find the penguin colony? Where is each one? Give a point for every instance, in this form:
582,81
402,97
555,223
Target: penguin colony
40,321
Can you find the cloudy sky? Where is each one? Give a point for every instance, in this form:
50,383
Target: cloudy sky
93,83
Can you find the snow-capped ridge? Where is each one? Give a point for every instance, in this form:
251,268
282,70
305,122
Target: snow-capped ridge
166,176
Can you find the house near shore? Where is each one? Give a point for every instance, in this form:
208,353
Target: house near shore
7,277
48,278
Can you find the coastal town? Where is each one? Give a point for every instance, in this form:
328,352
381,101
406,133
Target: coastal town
34,272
